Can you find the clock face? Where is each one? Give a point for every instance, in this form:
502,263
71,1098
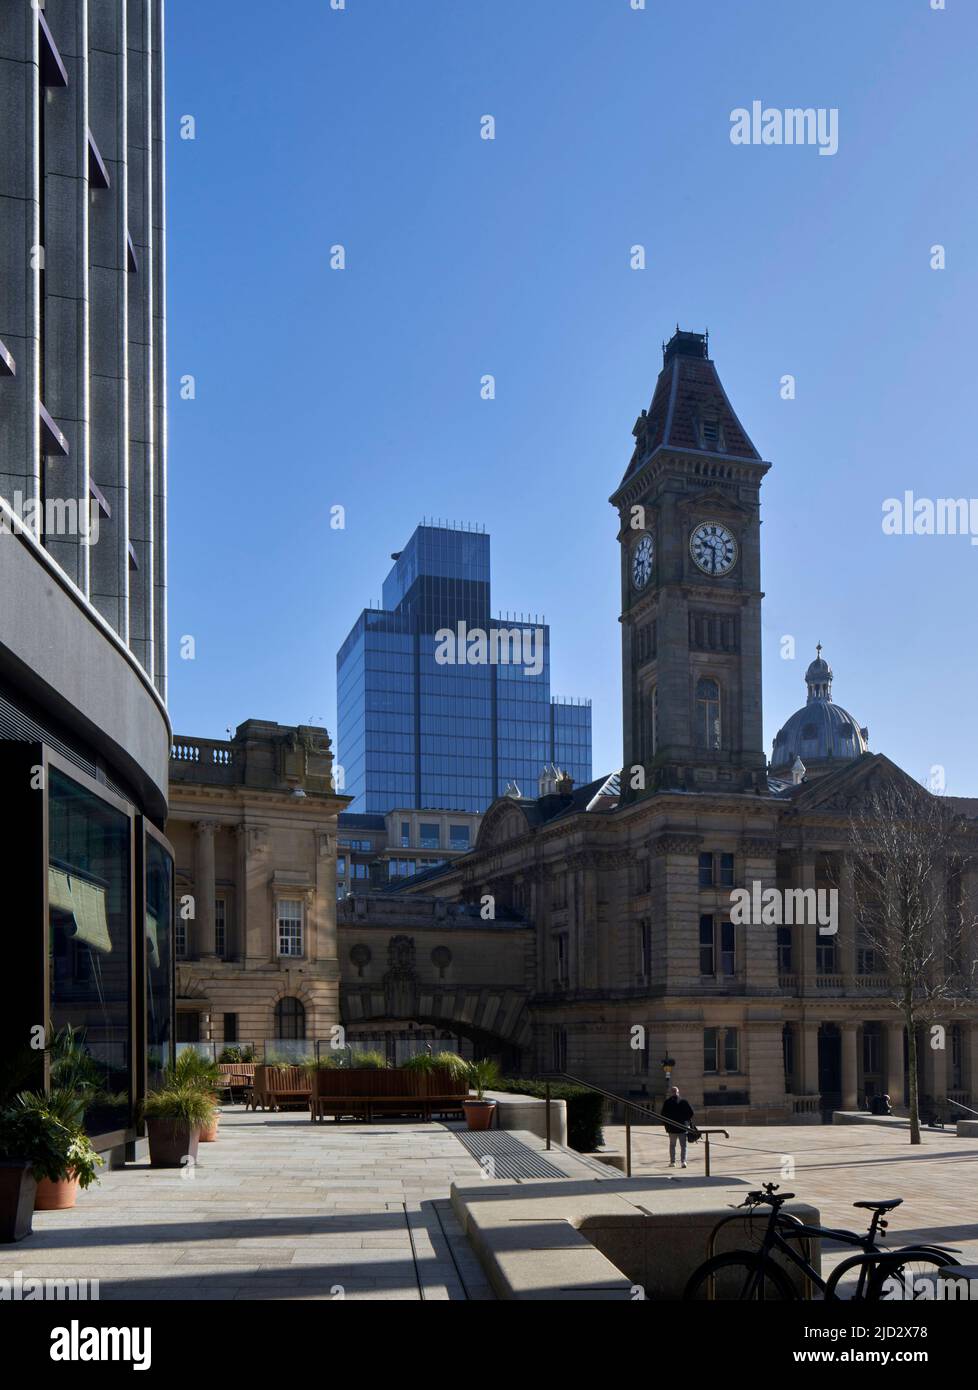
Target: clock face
642,557
713,548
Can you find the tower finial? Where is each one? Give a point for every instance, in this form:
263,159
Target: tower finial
818,650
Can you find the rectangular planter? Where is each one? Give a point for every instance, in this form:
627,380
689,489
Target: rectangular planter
17,1192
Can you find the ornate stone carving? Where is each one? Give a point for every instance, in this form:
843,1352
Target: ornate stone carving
758,847
361,956
441,959
677,843
401,979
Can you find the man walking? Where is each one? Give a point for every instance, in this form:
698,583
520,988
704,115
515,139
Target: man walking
680,1113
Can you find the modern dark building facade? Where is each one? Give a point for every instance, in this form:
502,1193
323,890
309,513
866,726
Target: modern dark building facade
439,704
84,733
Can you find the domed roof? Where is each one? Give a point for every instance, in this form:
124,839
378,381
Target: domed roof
820,732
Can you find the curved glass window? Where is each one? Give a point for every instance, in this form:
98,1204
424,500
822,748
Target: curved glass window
90,955
159,963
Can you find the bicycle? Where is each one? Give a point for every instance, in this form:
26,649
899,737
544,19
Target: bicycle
753,1275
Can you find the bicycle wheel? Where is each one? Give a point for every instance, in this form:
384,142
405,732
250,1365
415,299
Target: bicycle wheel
850,1279
895,1275
740,1276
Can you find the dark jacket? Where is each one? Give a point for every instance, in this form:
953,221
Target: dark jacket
675,1108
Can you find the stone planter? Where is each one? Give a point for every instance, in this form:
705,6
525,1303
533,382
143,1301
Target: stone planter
17,1191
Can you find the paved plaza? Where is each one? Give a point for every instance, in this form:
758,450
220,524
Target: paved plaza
277,1208
281,1208
836,1165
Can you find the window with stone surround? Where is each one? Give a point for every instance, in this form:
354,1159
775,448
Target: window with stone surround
220,926
289,917
560,959
718,946
716,870
558,1047
721,1050
645,950
708,713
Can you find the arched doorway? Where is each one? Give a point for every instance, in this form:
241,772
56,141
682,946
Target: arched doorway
830,1066
290,1019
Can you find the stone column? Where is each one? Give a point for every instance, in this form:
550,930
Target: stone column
805,934
971,1065
846,939
238,928
850,1067
934,1060
324,946
807,1060
758,944
894,1064
203,942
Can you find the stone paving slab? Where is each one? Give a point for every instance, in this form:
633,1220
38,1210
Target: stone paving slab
276,1209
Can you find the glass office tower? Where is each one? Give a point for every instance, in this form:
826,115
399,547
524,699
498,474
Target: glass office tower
427,721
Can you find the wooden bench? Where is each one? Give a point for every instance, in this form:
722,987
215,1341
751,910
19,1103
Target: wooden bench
237,1077
275,1087
363,1093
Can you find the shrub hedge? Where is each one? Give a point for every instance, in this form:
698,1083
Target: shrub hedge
585,1109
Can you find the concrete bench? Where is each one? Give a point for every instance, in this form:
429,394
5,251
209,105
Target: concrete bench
620,1238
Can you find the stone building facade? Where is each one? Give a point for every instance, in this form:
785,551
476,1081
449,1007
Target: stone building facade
253,824
627,883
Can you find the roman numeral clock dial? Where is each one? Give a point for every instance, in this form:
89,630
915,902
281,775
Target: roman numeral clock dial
713,548
642,559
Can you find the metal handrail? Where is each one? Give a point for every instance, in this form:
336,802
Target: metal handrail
644,1110
960,1106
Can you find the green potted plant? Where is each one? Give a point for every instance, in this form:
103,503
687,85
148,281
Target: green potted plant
483,1076
44,1159
174,1119
369,1060
70,1162
191,1069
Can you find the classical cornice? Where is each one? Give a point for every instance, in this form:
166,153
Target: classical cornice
677,842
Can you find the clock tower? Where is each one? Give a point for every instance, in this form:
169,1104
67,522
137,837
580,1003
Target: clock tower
689,511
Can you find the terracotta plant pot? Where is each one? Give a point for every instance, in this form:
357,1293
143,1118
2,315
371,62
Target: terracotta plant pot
171,1142
17,1190
208,1134
478,1113
56,1196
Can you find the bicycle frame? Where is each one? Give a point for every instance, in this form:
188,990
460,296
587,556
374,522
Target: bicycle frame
776,1239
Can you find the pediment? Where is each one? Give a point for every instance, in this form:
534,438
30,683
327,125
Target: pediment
851,786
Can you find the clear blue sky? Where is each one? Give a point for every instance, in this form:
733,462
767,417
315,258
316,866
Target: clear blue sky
361,388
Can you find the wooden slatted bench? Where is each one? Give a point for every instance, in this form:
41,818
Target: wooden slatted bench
277,1086
363,1093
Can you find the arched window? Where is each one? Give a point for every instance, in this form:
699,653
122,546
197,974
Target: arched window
707,713
290,1018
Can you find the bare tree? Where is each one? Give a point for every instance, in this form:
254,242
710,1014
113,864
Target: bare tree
908,851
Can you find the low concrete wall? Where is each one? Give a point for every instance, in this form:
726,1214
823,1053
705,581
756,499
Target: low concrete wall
967,1129
530,1113
621,1238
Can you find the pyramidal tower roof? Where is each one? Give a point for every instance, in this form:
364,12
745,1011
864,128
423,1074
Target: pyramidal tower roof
690,409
